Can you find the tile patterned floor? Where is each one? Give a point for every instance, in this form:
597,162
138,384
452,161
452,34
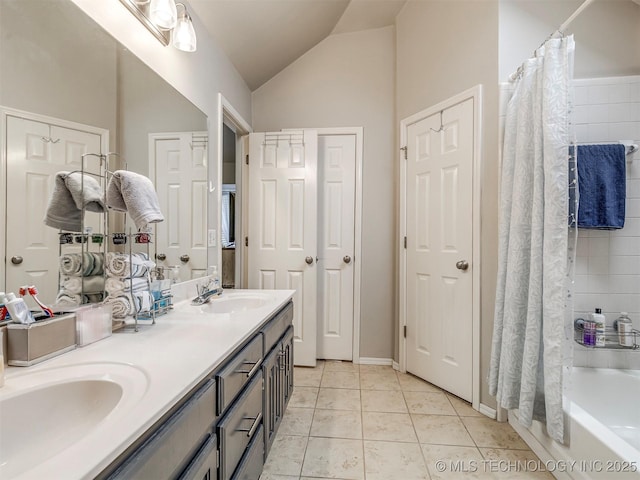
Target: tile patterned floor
365,422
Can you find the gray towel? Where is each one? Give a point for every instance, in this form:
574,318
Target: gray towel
135,194
68,197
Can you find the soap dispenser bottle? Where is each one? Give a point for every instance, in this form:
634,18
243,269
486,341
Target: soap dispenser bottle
599,319
625,333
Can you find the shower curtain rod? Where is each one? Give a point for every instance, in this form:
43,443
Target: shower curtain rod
561,29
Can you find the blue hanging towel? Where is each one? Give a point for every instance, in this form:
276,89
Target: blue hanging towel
602,186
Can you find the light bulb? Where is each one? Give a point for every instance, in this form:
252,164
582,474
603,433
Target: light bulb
163,13
184,36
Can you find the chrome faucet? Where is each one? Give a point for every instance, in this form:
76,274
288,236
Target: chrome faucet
206,290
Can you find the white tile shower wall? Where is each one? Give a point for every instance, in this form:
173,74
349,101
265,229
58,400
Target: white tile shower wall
608,262
607,274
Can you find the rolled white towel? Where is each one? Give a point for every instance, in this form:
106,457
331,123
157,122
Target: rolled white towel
86,265
114,285
68,298
123,265
76,285
124,304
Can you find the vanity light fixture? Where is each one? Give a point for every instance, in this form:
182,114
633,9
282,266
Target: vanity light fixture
163,13
184,36
162,19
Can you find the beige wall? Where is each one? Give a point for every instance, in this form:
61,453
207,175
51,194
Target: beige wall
348,80
199,76
45,70
607,34
444,48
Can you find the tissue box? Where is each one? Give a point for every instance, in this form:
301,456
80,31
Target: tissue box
39,341
93,323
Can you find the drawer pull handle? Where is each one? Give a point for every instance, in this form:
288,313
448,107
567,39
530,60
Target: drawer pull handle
254,426
253,370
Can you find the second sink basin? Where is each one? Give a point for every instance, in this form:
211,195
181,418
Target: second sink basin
236,303
45,412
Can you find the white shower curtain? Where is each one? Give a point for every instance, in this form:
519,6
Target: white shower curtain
528,335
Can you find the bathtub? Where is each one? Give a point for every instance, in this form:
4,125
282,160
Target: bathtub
602,415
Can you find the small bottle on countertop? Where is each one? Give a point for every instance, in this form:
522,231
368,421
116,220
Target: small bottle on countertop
18,309
599,319
625,333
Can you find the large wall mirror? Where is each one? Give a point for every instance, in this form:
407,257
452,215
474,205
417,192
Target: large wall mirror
68,88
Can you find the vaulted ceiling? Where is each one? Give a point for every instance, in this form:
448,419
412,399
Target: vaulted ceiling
262,37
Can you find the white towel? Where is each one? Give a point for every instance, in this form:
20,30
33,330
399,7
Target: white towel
121,265
68,298
135,194
64,210
75,285
86,265
115,285
124,304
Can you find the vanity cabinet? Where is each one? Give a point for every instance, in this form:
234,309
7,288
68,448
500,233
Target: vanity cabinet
222,429
170,448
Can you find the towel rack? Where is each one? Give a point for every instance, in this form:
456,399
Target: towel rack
629,147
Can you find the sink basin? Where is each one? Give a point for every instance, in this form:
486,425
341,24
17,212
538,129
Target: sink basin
236,303
45,412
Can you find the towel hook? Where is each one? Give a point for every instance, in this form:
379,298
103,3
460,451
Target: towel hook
441,124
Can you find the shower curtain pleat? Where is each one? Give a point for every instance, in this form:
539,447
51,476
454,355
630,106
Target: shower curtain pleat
527,355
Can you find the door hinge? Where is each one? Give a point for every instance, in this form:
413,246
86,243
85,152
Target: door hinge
246,241
405,242
404,149
246,159
405,331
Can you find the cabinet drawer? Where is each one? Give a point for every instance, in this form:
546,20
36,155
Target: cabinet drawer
276,327
205,465
238,372
239,425
167,451
250,467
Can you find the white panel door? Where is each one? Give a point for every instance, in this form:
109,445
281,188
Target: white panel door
180,164
282,227
439,249
336,221
36,151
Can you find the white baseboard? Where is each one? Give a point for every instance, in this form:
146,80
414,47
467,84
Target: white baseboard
375,361
488,411
396,366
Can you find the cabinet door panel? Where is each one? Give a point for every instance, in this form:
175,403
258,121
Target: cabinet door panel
167,451
204,466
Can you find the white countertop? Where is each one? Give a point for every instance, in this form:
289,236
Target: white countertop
174,355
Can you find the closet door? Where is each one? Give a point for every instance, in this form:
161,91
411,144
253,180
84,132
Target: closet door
36,151
282,232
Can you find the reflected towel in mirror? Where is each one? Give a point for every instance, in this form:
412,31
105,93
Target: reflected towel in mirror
135,194
71,192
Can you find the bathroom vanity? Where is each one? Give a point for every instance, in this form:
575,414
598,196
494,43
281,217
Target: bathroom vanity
212,383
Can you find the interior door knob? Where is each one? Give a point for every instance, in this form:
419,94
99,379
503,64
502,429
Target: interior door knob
309,260
462,265
16,260
184,258
161,256
346,259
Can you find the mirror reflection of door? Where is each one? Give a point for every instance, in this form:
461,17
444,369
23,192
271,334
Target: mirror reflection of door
228,210
178,164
